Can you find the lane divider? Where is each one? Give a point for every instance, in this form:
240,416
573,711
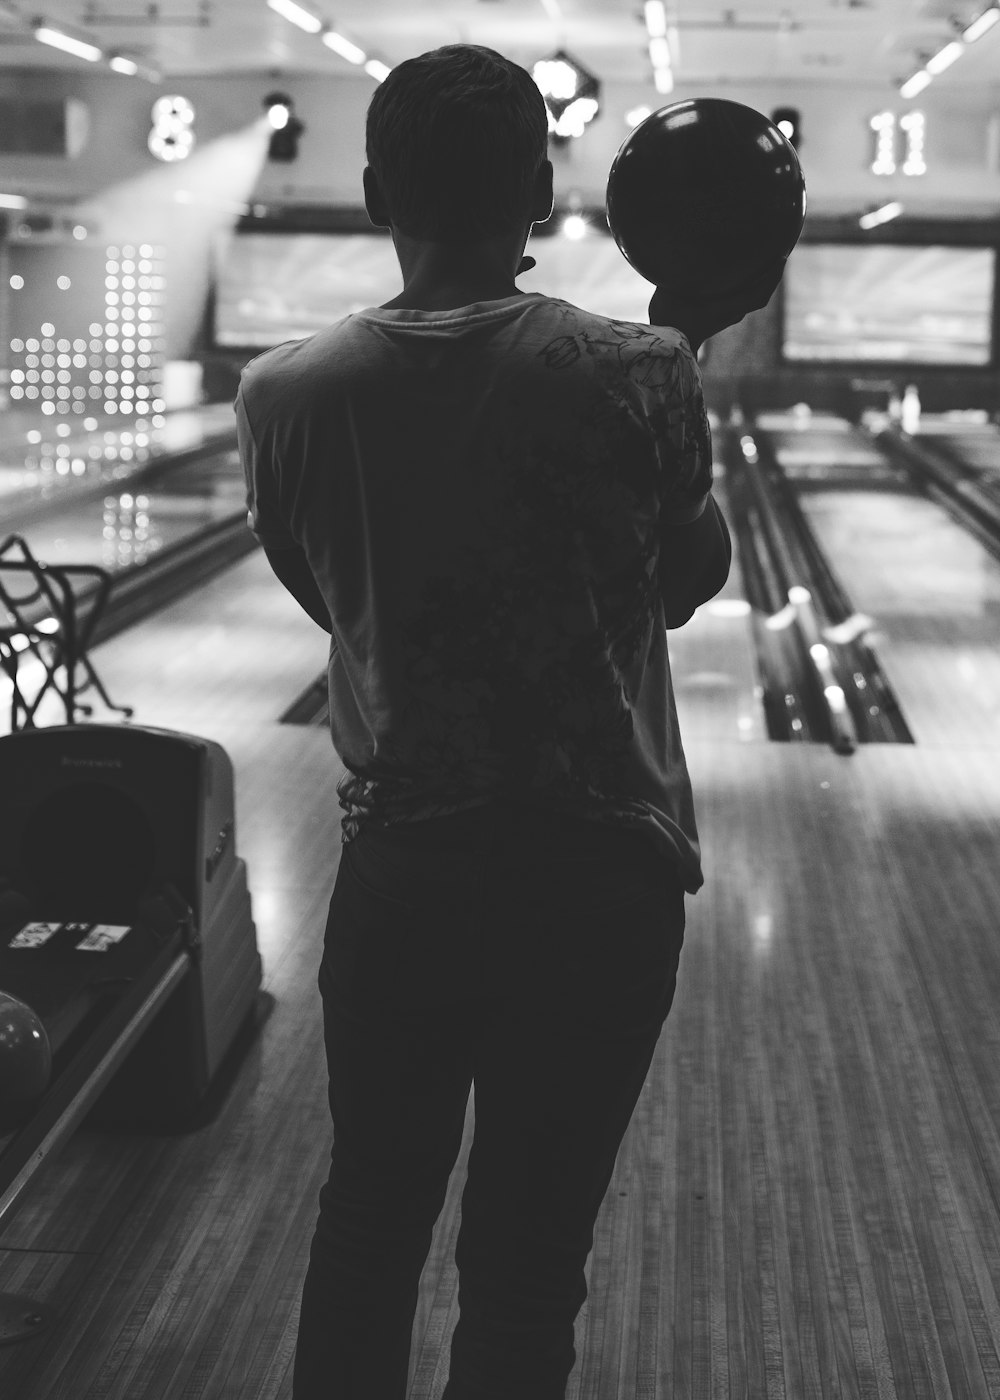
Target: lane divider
801,614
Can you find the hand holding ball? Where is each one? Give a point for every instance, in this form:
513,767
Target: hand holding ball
706,199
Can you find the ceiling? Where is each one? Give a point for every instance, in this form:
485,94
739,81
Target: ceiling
747,41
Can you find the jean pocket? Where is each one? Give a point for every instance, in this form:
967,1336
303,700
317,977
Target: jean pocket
619,974
365,933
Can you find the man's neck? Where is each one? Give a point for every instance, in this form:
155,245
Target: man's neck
448,299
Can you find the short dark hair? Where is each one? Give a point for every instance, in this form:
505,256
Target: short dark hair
470,107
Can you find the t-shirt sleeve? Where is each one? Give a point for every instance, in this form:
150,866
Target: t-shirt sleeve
684,443
260,473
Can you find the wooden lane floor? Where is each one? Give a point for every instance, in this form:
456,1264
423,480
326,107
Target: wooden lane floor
806,1202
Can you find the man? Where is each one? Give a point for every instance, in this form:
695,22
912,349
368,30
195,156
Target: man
496,503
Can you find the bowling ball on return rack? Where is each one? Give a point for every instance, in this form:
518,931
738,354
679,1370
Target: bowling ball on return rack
705,196
25,1058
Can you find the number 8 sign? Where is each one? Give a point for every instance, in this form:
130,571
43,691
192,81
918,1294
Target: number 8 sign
171,137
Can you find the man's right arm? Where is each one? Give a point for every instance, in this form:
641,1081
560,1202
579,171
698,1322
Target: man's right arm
695,558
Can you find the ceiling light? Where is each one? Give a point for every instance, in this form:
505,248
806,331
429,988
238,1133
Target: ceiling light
571,93
297,15
637,115
343,46
915,84
13,201
656,19
659,52
945,57
284,142
882,215
980,26
132,68
58,40
378,70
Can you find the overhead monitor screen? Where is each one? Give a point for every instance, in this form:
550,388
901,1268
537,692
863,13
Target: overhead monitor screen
889,302
272,287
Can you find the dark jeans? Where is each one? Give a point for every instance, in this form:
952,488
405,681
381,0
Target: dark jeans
536,956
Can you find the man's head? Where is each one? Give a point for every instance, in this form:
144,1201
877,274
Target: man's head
456,139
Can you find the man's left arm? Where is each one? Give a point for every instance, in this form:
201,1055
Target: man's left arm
291,568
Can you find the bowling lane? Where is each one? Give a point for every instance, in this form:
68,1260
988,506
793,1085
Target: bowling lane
43,462
932,590
114,497
129,522
968,439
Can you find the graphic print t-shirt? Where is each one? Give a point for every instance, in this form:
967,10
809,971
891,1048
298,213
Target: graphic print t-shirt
479,494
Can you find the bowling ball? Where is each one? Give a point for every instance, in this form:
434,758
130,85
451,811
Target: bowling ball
25,1055
704,196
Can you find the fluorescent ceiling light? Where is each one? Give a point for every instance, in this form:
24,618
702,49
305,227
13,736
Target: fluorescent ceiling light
659,52
881,216
980,26
945,58
656,19
58,40
297,15
13,201
131,67
343,46
378,70
663,78
915,84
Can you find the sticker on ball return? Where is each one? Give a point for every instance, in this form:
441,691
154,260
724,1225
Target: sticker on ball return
705,195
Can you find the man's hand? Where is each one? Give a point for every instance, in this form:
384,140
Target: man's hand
702,317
